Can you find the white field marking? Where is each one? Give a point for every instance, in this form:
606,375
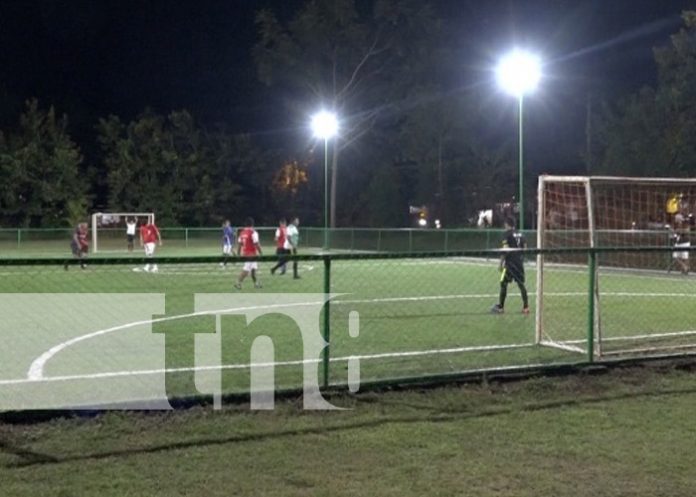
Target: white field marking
37,366
637,337
385,355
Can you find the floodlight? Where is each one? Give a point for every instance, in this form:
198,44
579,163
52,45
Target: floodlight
519,72
324,125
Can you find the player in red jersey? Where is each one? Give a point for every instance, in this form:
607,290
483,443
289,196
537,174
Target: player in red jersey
149,237
248,246
79,244
280,237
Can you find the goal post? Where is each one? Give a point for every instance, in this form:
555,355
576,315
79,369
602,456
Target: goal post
613,213
109,229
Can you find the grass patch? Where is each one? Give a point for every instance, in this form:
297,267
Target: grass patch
626,432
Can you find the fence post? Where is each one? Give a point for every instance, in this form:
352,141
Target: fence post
326,354
410,240
186,237
446,240
352,239
591,306
19,238
379,240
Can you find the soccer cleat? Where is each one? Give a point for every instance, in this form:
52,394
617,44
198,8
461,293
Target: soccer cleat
296,277
525,310
496,309
273,270
238,286
257,285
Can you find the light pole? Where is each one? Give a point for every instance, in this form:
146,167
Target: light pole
518,73
325,126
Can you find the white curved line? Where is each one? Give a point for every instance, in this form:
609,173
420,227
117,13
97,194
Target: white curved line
299,362
37,366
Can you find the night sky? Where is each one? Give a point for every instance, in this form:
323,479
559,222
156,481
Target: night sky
93,58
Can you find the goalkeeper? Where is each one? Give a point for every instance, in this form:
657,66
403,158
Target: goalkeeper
511,267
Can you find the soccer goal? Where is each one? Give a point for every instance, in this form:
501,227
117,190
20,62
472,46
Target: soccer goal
109,229
643,301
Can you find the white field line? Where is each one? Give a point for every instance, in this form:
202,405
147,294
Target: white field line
637,337
38,364
222,367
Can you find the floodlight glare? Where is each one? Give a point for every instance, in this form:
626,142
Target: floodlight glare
324,125
519,72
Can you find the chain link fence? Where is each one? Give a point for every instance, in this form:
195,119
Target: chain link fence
117,334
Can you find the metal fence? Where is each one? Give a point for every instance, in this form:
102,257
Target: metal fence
14,241
117,334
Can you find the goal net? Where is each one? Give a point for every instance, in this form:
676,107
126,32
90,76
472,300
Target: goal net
109,229
617,213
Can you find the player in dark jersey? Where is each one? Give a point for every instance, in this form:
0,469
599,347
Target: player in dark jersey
79,245
227,241
511,267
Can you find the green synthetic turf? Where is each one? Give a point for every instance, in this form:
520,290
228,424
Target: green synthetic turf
416,317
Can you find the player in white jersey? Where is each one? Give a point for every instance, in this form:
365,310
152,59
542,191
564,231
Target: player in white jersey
131,226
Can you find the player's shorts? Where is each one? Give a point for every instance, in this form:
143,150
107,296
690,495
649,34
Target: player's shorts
248,266
130,239
684,255
227,249
512,273
76,250
150,248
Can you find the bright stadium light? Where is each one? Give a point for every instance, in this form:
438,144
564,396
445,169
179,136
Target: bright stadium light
518,74
325,126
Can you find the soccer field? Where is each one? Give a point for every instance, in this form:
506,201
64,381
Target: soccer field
114,333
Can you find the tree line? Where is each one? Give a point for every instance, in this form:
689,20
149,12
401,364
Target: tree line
406,138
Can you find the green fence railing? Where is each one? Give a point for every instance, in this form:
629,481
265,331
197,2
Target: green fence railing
114,328
207,240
